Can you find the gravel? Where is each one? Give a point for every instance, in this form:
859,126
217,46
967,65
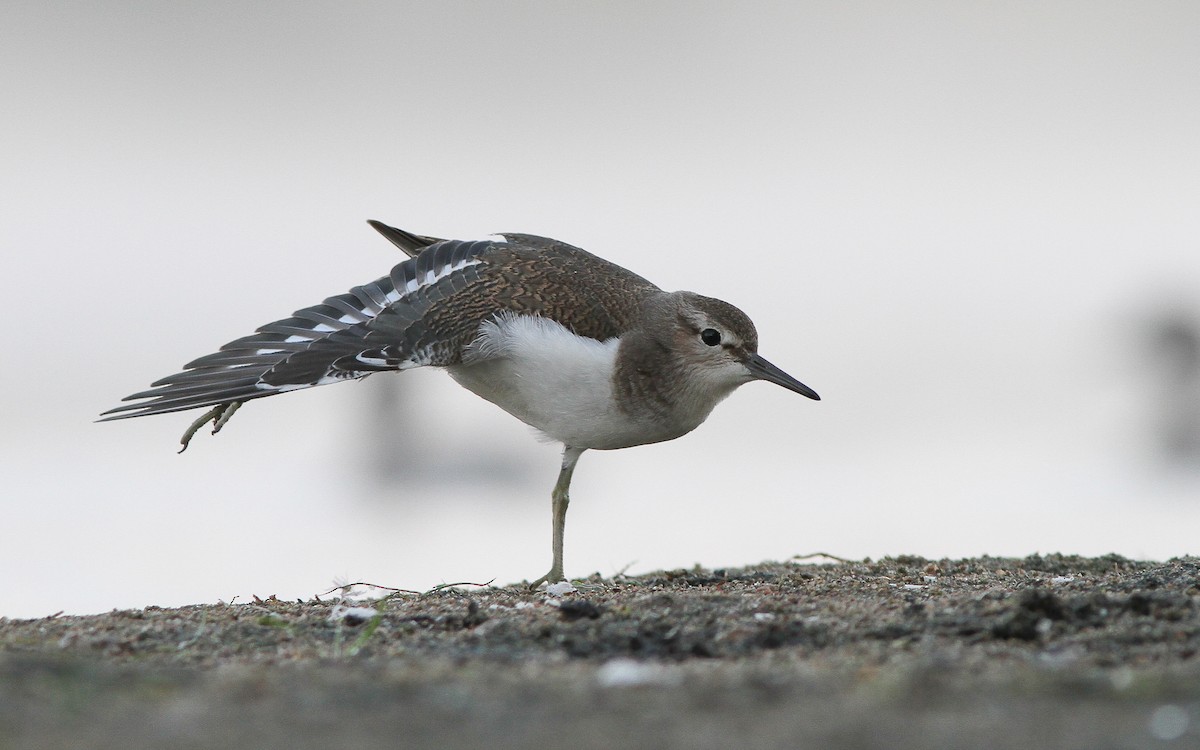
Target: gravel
1044,651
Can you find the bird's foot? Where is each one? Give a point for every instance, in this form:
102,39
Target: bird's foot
218,415
554,575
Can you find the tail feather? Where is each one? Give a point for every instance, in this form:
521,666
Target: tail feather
412,244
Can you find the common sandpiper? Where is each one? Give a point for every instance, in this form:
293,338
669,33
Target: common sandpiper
588,353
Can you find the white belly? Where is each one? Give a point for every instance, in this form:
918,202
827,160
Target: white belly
553,380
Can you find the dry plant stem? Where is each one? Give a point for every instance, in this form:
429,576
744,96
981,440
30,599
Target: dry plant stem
842,560
399,592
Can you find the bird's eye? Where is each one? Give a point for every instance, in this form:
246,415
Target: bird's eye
710,336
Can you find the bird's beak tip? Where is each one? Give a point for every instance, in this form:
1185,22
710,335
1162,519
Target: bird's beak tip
761,369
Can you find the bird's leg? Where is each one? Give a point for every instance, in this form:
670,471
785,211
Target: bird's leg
560,499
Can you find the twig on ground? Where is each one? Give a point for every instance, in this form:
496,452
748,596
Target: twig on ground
842,560
396,592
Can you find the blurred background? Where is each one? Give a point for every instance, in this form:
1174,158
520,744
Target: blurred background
974,228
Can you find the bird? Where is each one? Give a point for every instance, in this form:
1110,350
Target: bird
590,354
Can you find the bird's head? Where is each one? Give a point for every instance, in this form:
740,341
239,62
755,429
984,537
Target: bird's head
718,345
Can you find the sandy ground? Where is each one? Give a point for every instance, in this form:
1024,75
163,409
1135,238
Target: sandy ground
1046,651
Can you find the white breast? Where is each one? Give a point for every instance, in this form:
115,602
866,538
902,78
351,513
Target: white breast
550,378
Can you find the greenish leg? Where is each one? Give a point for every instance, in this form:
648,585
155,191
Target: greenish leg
560,498
218,415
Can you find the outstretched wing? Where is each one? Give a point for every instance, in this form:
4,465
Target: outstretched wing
373,327
425,312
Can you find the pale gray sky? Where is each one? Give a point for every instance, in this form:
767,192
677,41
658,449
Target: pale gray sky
951,219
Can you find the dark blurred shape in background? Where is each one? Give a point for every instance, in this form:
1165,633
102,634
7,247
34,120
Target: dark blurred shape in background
412,444
1174,338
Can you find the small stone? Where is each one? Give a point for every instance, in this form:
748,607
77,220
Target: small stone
575,609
